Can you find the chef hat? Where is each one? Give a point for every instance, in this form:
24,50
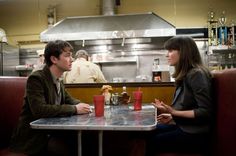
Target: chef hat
81,53
40,52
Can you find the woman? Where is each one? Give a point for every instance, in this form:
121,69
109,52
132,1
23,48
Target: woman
184,126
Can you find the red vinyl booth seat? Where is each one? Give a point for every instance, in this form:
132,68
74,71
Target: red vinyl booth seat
224,131
11,100
225,97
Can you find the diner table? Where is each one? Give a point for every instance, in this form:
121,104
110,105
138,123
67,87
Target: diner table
116,118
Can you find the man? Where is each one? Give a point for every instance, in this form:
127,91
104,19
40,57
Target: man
40,64
84,71
46,97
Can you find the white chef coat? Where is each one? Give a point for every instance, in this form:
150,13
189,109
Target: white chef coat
84,71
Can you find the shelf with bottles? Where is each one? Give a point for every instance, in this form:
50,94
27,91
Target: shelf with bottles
221,59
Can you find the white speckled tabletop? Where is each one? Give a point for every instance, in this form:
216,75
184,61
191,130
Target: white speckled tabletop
121,117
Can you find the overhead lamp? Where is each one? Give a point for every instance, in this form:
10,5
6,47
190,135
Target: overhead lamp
51,16
83,43
3,37
102,47
122,53
123,42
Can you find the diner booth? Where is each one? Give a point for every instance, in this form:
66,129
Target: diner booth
129,50
116,142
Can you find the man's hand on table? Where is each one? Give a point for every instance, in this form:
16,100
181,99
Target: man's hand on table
82,108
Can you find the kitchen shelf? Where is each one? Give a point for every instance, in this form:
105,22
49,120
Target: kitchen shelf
23,68
119,60
222,59
224,51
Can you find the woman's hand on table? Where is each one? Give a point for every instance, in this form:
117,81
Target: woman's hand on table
164,118
83,108
162,107
168,108
159,105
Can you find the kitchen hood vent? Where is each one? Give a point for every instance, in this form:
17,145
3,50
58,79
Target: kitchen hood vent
109,27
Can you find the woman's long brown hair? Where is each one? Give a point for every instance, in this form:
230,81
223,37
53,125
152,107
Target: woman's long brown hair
189,56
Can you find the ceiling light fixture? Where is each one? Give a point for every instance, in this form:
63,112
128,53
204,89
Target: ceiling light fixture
3,37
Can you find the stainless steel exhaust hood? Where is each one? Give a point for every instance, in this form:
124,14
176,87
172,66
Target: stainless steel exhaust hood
109,27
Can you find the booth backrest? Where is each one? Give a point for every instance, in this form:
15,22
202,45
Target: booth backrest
11,100
225,97
224,128
224,86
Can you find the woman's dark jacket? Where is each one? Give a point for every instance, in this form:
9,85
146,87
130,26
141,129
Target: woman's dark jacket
195,93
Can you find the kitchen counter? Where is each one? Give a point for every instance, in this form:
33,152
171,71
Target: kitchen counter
151,90
121,84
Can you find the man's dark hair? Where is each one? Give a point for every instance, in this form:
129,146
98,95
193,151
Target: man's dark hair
55,48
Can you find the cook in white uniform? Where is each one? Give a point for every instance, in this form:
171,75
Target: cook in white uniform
84,71
40,63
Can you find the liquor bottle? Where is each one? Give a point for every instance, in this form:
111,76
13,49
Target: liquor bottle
125,97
